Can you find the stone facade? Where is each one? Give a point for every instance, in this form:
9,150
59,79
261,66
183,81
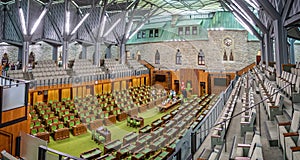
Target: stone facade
244,52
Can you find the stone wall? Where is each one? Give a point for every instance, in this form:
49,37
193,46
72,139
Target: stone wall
244,52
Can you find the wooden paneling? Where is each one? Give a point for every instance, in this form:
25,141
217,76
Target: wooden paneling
203,77
116,86
13,114
123,85
38,96
134,82
8,134
168,79
13,131
53,95
216,89
142,81
5,141
74,92
190,77
65,93
79,91
84,91
98,88
147,80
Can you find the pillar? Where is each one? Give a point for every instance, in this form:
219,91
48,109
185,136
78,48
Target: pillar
292,50
262,49
25,55
20,53
108,52
280,35
96,57
54,53
83,52
122,53
65,54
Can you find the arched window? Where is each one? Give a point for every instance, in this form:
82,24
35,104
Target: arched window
157,57
224,56
231,56
178,57
201,58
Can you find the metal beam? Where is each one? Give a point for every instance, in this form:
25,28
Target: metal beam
130,23
14,23
143,22
244,20
286,9
55,27
114,32
268,7
103,10
294,19
259,24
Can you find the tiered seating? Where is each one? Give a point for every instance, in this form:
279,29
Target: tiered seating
270,72
159,141
273,106
83,67
248,116
291,84
15,74
288,135
247,150
115,69
137,67
58,118
47,73
220,130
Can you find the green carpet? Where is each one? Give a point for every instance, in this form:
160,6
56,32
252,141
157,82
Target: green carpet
78,144
75,144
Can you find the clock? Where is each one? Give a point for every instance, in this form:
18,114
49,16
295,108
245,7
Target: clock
228,42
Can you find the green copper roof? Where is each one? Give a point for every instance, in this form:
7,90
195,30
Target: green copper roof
190,22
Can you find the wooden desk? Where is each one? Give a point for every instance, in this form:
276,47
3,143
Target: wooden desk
163,108
91,154
112,146
93,125
174,112
125,151
158,132
158,143
44,136
79,129
166,117
130,137
156,124
169,125
105,133
140,119
61,133
146,129
143,140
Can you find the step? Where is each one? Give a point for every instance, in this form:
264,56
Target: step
272,134
205,153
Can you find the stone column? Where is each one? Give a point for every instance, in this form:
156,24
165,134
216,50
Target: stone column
65,54
25,56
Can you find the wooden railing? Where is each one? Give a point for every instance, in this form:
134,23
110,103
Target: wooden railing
245,69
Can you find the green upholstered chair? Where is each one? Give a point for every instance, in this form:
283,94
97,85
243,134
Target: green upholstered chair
33,131
71,124
41,129
48,121
129,121
31,125
55,120
77,122
60,126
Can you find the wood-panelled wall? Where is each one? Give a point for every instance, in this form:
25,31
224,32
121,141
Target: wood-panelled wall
9,133
190,76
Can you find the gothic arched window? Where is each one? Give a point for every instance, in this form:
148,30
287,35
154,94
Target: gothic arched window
201,58
157,57
178,57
